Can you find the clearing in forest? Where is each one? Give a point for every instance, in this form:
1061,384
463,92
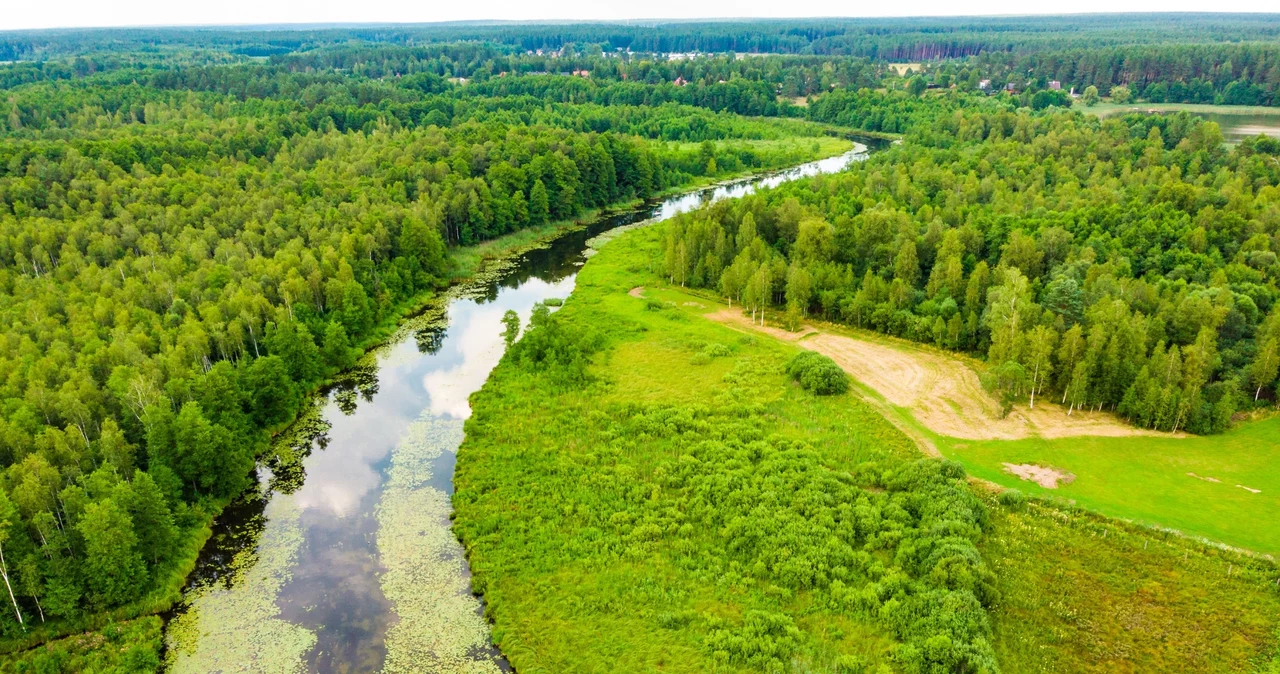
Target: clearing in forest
1224,487
942,393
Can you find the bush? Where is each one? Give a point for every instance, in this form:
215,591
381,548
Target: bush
818,374
716,350
1012,499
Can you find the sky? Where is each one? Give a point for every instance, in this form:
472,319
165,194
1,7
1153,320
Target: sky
24,14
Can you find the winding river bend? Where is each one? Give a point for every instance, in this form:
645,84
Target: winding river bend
343,560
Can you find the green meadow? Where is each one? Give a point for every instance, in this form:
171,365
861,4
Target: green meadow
1200,485
582,494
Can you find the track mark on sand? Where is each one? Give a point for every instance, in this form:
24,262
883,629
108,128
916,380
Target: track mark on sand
941,392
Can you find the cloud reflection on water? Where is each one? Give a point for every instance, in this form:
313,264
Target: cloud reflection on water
479,345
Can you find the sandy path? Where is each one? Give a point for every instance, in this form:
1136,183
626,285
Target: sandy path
637,291
942,393
1049,478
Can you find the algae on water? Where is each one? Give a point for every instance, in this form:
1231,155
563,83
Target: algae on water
237,628
440,628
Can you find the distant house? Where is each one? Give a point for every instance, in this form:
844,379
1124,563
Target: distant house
680,82
984,85
1055,85
582,73
1010,87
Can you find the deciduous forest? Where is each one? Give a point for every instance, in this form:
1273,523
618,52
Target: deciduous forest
202,230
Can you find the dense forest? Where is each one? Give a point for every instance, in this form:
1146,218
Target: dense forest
200,228
905,39
186,252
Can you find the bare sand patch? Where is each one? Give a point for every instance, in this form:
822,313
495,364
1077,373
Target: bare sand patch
941,392
1205,478
1249,489
637,291
1049,478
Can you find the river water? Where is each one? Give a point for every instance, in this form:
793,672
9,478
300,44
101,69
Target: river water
1236,127
343,561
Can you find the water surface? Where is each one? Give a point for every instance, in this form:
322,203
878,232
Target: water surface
314,570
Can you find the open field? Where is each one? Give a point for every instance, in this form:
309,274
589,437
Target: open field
1224,488
1076,593
1083,594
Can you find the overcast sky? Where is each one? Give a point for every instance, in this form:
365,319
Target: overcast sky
15,14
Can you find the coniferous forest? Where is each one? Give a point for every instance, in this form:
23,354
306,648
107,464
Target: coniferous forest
202,230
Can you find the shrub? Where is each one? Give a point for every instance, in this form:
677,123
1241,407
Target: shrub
1012,499
716,350
818,374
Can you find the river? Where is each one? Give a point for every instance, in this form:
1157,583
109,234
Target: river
343,560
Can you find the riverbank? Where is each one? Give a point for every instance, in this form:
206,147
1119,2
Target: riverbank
606,532
471,265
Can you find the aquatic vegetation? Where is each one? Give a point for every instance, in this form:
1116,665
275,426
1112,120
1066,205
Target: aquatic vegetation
237,628
441,628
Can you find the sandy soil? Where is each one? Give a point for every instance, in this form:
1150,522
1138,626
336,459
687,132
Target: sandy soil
637,291
1049,478
942,393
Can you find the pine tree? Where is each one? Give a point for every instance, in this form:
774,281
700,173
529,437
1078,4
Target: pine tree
539,205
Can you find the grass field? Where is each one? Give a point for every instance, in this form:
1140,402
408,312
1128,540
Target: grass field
1083,594
567,595
557,471
1200,486
1224,488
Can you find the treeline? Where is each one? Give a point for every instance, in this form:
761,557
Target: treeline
298,101
895,111
795,75
891,39
1128,264
179,269
1230,74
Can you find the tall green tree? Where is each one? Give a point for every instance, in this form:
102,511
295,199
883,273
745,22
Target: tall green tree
112,564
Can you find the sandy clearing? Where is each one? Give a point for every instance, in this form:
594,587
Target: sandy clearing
1205,478
637,291
941,392
1049,478
1250,489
